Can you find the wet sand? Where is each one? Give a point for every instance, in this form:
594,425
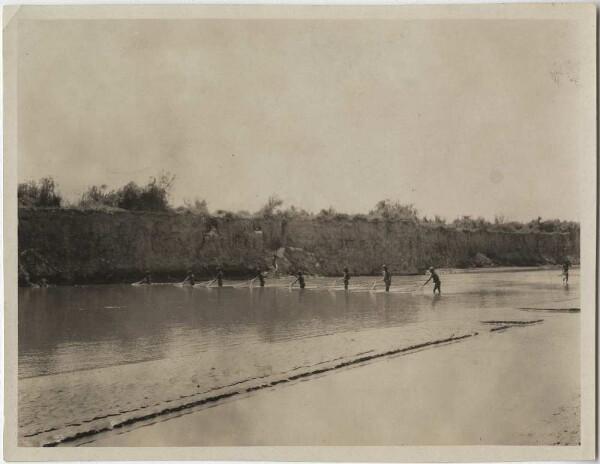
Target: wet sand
515,386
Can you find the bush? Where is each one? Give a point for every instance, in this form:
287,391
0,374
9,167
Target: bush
152,197
227,215
41,194
509,227
390,210
198,207
244,214
98,196
341,216
329,213
268,210
296,213
466,222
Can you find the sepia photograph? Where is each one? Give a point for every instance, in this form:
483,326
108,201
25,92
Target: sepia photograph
262,229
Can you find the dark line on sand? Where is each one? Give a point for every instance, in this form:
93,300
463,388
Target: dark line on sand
223,396
513,322
502,327
557,310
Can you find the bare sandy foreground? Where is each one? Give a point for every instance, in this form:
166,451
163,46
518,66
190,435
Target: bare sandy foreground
515,386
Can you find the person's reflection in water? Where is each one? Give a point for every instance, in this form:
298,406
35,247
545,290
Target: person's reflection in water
258,300
300,296
373,298
436,298
386,307
269,316
385,301
191,307
218,305
333,295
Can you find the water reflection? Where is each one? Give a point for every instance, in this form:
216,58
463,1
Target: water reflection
73,328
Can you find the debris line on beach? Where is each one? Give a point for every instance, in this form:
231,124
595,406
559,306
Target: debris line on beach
557,310
223,396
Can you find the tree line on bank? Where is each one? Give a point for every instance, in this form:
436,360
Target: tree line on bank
155,196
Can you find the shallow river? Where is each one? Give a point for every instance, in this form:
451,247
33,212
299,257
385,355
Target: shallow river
92,357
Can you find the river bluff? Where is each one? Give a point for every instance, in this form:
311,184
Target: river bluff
84,247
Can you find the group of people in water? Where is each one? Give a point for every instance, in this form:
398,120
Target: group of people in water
437,283
260,276
300,280
387,279
190,279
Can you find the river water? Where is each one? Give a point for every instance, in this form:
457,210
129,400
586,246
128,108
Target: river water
93,357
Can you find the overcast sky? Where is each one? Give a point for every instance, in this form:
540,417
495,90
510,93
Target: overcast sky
458,117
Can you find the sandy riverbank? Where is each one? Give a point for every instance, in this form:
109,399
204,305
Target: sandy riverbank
516,386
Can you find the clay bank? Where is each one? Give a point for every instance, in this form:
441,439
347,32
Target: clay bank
67,246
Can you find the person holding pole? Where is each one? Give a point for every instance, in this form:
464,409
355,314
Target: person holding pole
437,283
387,278
346,278
300,280
148,279
219,277
260,277
566,266
190,278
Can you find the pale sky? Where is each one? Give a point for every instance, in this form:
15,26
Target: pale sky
457,116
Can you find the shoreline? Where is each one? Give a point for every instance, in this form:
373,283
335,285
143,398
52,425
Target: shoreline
477,391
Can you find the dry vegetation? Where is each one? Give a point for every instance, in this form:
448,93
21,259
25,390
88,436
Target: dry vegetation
155,196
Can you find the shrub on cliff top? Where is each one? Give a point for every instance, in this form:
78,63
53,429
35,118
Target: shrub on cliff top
296,213
154,196
40,194
268,210
97,197
390,210
198,207
329,213
555,225
227,215
467,222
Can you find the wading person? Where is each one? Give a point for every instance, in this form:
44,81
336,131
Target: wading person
300,280
566,266
387,278
190,278
437,283
346,278
148,279
260,277
219,277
